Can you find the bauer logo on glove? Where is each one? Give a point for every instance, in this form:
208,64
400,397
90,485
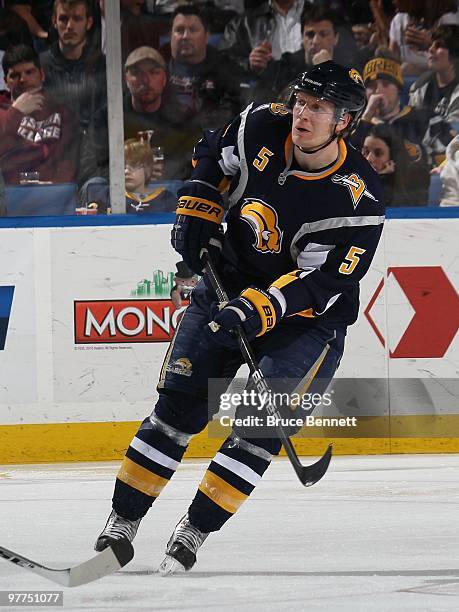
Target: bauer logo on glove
198,224
198,207
255,311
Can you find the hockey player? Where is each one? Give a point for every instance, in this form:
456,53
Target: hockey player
304,218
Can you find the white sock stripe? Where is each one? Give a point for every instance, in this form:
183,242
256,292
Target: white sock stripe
249,447
240,469
152,453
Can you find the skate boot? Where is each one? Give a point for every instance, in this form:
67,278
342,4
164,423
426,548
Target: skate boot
182,548
116,528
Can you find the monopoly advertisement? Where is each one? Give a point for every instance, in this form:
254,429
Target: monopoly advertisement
113,322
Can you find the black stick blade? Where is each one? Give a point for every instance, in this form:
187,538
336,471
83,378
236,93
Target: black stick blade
311,474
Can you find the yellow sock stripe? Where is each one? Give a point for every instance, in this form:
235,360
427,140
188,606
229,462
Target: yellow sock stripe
222,493
264,307
201,208
141,479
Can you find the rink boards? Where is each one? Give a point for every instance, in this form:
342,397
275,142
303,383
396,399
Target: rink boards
86,317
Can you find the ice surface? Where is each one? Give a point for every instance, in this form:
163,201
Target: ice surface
377,533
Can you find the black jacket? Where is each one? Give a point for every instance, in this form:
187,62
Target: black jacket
82,85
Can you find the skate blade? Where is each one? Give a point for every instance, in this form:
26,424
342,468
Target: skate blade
170,566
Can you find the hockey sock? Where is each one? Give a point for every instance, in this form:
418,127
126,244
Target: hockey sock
231,476
150,462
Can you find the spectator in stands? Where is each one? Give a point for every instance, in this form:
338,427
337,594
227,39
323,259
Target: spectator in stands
264,33
324,39
383,81
437,92
362,33
410,30
75,74
140,196
145,74
203,84
449,175
146,108
36,131
386,153
321,36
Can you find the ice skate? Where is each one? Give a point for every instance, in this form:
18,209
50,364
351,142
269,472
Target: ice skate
182,548
116,528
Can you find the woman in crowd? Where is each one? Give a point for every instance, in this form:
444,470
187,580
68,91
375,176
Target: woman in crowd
385,151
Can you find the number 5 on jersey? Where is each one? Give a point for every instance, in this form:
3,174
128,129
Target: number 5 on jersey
262,158
351,260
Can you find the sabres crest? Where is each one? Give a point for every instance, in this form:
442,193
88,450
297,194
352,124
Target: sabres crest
263,221
356,186
356,76
277,108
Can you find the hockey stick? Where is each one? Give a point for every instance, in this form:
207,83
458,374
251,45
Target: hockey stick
106,562
308,474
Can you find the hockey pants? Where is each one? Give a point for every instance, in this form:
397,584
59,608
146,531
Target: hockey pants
290,351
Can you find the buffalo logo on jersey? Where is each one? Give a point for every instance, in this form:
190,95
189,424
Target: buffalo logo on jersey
181,366
277,108
356,76
356,185
264,223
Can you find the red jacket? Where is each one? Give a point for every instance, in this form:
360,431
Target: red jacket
46,142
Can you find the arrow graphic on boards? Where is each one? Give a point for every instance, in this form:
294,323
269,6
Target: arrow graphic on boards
435,318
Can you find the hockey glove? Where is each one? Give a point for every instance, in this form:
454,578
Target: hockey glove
255,310
198,225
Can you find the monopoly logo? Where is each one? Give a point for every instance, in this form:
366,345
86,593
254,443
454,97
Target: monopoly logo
6,301
125,321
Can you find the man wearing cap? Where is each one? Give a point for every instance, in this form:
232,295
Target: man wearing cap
145,74
383,82
146,108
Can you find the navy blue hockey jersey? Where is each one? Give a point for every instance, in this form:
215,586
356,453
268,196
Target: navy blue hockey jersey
307,237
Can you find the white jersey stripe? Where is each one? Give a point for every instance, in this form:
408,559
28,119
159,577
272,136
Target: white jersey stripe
244,177
335,222
238,468
155,455
330,302
229,162
314,255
